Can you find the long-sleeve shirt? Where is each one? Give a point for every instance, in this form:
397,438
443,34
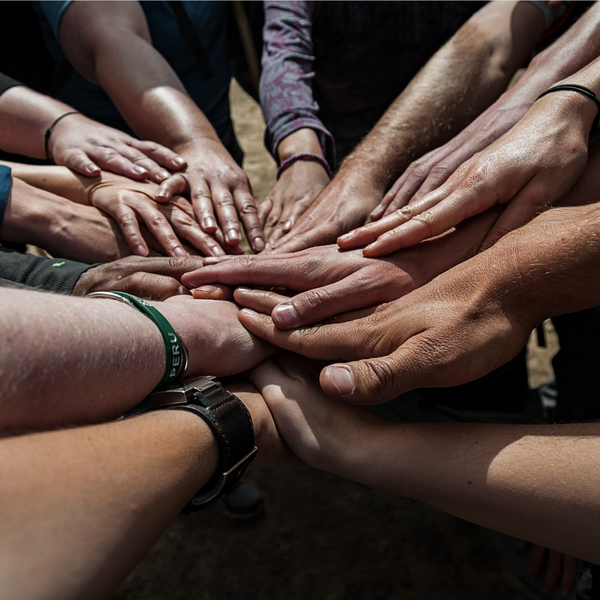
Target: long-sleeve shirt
328,63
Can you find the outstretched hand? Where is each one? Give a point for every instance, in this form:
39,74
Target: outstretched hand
529,168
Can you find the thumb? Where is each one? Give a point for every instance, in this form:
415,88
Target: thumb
372,381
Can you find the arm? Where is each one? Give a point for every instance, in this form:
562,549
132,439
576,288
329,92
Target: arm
461,80
109,44
109,492
114,355
76,141
579,46
534,482
532,166
129,203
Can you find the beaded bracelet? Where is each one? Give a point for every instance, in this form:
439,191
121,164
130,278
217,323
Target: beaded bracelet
49,133
572,87
304,156
177,354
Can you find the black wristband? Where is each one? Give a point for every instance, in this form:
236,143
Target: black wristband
49,133
572,87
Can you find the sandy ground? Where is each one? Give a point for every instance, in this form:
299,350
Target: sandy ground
322,537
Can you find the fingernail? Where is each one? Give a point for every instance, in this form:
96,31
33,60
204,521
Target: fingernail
141,251
206,289
243,290
258,243
217,251
347,236
342,379
140,170
249,312
179,251
370,246
179,161
285,314
161,193
232,237
288,225
163,174
92,170
215,260
209,223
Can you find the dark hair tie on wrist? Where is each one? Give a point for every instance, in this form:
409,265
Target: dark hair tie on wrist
49,133
572,87
304,156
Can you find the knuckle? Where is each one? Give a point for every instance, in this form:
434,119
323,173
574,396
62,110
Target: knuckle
247,208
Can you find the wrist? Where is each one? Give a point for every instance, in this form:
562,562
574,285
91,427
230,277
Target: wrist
298,142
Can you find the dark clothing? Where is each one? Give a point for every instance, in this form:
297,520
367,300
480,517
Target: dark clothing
27,271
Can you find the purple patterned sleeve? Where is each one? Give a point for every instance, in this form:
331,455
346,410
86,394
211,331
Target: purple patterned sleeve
286,92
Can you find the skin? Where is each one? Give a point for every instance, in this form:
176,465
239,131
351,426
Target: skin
331,282
130,203
76,141
530,481
111,489
109,44
532,166
150,278
468,73
571,52
115,355
462,325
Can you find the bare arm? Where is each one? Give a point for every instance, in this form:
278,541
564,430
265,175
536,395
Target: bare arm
76,141
461,80
535,482
109,44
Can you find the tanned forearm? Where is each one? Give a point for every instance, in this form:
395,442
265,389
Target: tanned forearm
458,83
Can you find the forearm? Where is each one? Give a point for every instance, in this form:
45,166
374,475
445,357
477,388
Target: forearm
460,81
532,482
25,116
57,180
114,357
109,493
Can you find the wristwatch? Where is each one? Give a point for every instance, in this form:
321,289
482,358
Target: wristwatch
229,420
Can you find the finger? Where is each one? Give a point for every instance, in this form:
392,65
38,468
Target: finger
213,292
522,209
159,226
264,209
80,162
295,242
150,286
553,571
130,228
568,577
111,159
226,215
318,304
327,342
261,301
188,229
272,219
202,203
369,233
427,224
247,209
171,186
291,214
160,154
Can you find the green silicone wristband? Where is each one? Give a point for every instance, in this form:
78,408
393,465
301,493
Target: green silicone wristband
177,356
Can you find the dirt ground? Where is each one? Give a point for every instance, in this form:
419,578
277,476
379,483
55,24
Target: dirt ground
322,537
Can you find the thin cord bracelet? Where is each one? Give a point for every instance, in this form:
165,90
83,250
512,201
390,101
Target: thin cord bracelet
177,354
304,156
49,133
572,87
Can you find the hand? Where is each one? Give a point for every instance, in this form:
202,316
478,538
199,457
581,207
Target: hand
332,281
129,202
340,207
312,425
150,278
216,341
532,166
220,191
87,147
272,451
294,192
433,169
